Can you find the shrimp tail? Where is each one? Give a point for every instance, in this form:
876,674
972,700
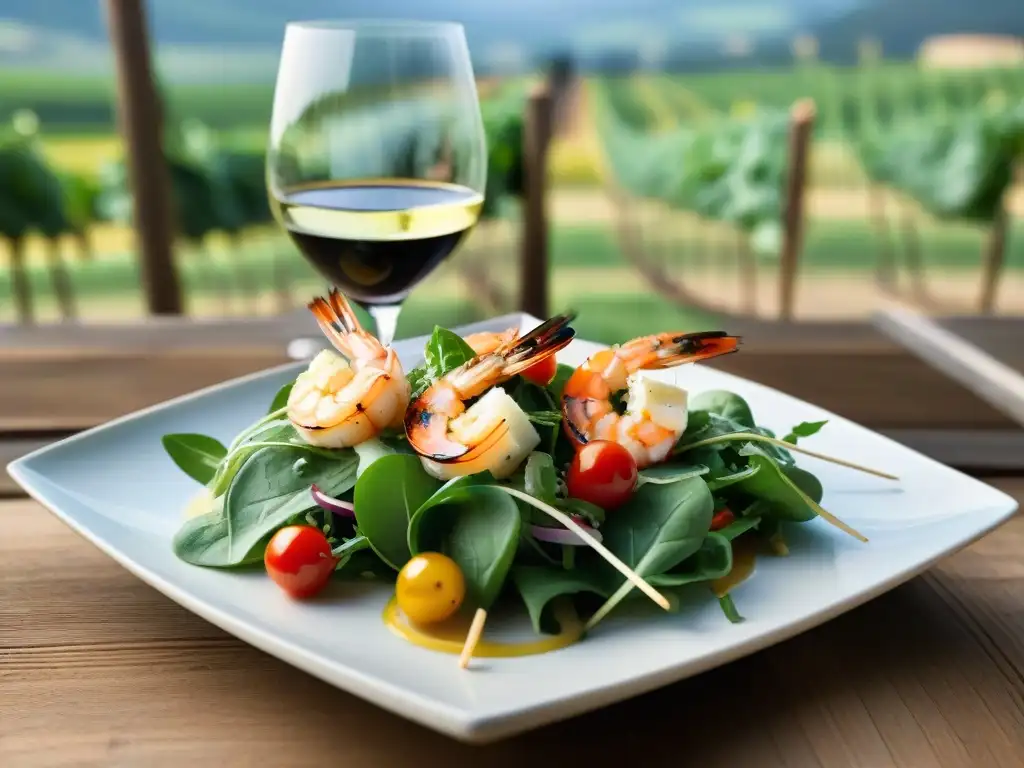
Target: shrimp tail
344,311
691,348
540,343
336,319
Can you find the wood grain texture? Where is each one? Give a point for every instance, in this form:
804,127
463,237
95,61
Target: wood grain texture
47,389
98,669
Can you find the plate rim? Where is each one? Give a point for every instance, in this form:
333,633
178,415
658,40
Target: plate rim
456,722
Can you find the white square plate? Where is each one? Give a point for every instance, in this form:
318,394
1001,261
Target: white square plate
115,486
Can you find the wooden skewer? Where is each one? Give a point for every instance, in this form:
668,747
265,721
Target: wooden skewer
753,437
597,546
476,629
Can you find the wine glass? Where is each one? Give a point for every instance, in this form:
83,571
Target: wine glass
377,159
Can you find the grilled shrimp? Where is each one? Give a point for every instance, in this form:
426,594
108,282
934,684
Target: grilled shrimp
493,434
485,342
655,415
342,400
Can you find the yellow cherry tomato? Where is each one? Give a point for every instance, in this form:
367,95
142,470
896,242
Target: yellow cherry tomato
430,588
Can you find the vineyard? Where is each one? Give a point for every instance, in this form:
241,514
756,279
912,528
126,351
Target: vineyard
667,195
702,172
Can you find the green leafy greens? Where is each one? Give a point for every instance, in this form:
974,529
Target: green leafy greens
261,482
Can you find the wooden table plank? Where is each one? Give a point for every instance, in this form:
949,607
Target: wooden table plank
65,390
96,669
993,380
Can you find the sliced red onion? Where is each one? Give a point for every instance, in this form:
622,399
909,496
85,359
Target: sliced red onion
331,504
563,535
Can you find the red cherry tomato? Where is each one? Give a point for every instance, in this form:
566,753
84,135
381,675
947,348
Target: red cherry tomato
603,473
299,560
722,518
543,372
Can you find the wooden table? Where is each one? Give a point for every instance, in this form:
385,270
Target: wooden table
96,668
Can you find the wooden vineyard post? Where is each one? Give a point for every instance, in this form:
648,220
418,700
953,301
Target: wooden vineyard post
19,281
913,256
746,263
533,261
801,126
60,280
885,265
993,259
148,176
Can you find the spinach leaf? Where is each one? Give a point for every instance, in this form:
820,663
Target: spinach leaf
724,481
706,456
804,429
661,525
369,451
198,456
271,488
738,527
656,530
769,485
726,404
541,479
387,495
203,540
671,473
539,585
712,561
445,351
281,398
477,526
277,431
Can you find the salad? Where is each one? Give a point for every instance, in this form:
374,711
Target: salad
490,475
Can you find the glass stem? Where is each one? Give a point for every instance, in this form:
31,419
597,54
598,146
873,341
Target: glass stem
385,316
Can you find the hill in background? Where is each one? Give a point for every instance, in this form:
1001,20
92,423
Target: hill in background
240,39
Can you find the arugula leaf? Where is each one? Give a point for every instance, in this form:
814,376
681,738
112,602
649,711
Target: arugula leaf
726,404
541,479
545,418
198,456
477,525
804,429
539,585
281,398
541,409
419,380
712,561
387,495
